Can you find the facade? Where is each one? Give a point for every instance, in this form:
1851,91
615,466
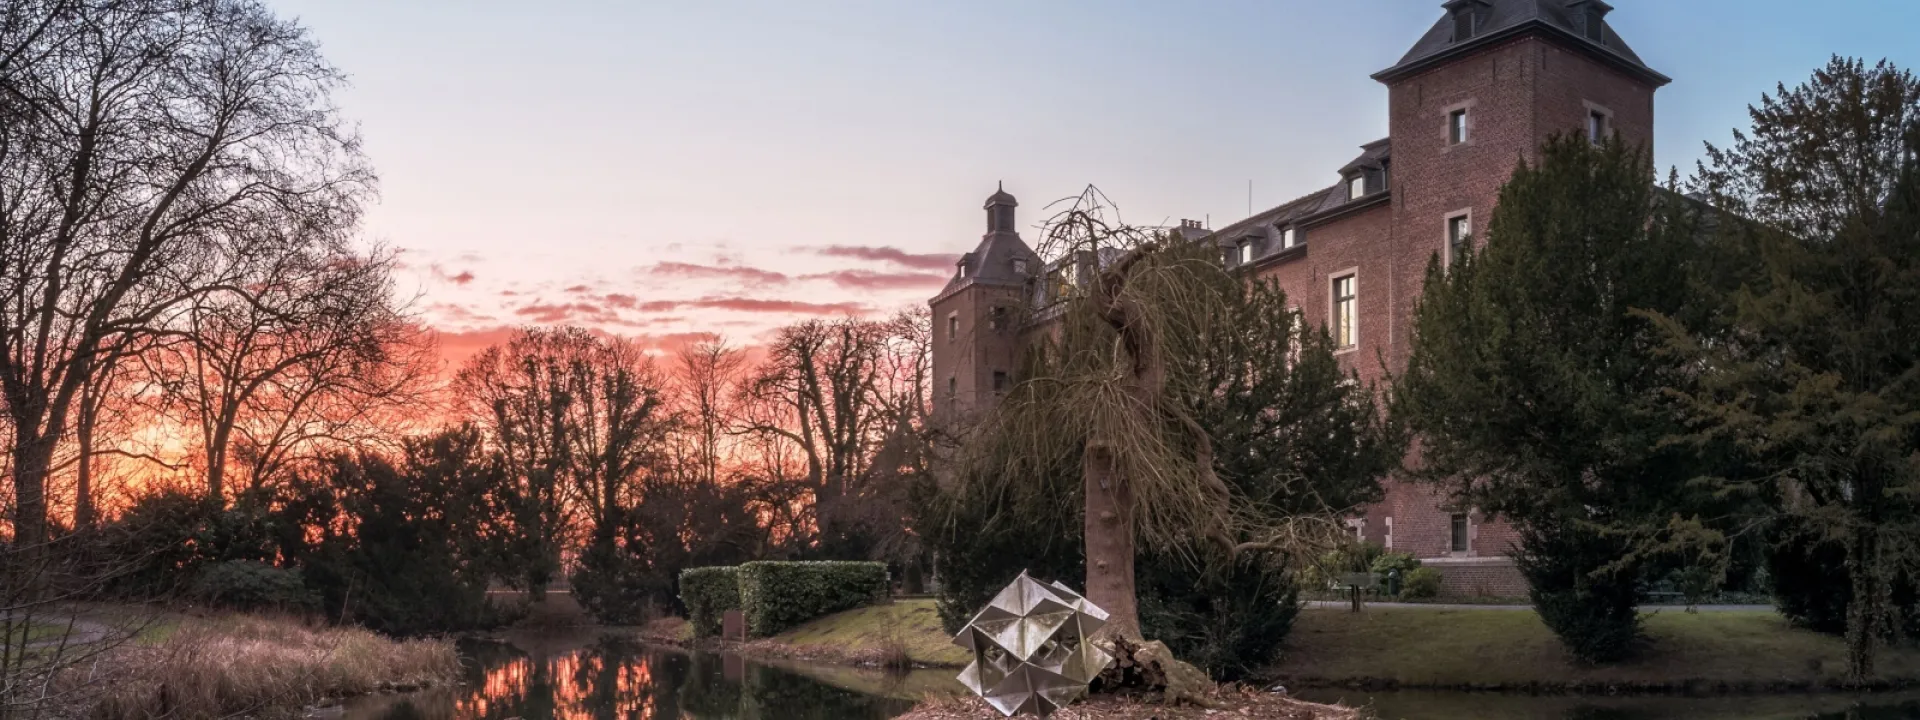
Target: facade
1483,89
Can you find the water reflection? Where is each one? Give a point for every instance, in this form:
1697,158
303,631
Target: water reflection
610,678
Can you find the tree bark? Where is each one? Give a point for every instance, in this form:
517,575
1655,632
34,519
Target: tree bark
1109,541
1863,614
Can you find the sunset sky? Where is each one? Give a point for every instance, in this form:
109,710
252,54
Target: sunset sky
659,169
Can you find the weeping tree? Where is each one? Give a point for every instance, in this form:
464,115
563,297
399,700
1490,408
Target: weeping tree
1136,312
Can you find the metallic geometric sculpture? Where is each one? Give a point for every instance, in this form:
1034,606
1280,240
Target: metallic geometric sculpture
1030,653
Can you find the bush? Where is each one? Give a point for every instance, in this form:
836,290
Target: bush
252,586
708,593
1227,622
1595,615
614,585
1390,561
1420,582
775,596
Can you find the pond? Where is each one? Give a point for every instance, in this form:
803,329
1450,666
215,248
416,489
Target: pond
579,675
568,676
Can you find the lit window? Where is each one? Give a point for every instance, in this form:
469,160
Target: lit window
1596,126
1357,186
1459,525
953,326
1459,236
999,381
1246,253
1287,238
1344,335
1457,126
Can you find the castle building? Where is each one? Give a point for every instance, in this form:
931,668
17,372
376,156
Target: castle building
1484,88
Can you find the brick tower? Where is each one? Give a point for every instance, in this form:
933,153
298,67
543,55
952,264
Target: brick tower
975,337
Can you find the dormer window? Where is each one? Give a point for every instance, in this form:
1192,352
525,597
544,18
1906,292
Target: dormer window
1246,252
1288,238
1592,17
1467,18
1357,186
1020,266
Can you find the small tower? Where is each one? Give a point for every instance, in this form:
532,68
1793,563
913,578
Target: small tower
976,338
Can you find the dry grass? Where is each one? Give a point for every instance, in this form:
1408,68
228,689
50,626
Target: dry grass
878,634
240,664
1229,703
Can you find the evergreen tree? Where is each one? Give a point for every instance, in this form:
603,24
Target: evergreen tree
1533,384
1809,363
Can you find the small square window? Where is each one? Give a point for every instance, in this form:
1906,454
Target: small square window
1459,526
1457,126
1019,266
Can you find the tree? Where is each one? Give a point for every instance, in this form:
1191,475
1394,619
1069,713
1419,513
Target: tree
1118,403
1533,381
135,131
579,421
1807,366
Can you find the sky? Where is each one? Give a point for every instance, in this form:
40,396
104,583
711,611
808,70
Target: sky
665,170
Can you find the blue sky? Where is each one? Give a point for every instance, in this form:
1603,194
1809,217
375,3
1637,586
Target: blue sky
558,153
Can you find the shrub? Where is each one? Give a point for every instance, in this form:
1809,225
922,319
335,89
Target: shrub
775,596
1390,561
1420,582
253,586
615,586
1228,622
709,592
1595,614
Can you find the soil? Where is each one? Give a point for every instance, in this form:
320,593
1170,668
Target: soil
1230,702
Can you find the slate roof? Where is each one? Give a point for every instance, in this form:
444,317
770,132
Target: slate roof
1305,208
1511,18
991,262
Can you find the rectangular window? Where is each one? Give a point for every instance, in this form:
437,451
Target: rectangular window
997,319
1459,234
1344,318
1459,525
1357,187
953,387
953,326
1246,253
1457,126
1596,126
1287,238
999,381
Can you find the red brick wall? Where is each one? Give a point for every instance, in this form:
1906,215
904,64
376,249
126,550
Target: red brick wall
971,358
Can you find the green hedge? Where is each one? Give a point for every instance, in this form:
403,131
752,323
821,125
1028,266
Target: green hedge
775,596
709,592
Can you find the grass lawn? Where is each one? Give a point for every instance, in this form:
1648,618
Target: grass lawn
914,623
1419,647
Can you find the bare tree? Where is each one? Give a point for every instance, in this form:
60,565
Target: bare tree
140,133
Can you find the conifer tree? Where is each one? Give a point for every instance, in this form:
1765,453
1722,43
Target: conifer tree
1532,387
1808,365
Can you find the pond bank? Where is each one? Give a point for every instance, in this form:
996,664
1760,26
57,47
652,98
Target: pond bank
1733,652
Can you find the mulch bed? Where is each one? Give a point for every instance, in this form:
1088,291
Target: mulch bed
1230,702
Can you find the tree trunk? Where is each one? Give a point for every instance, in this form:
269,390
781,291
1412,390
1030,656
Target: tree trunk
1109,539
1863,614
83,483
32,456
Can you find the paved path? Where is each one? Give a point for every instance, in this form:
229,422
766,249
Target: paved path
1345,605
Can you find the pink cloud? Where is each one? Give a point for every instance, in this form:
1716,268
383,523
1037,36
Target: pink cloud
729,272
881,253
871,280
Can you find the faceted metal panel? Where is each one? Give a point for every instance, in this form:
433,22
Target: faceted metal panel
1030,649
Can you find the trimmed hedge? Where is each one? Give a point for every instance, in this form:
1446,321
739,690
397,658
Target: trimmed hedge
775,596
709,592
